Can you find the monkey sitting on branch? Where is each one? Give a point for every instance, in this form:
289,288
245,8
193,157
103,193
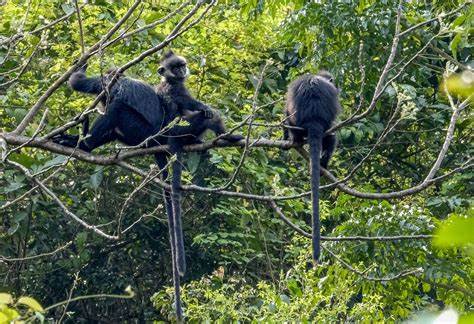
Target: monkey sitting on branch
312,105
173,91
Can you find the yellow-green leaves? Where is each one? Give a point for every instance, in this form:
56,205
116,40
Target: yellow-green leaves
457,231
6,298
461,84
12,312
31,303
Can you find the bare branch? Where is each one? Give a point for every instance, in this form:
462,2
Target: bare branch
32,257
405,273
41,101
66,211
81,31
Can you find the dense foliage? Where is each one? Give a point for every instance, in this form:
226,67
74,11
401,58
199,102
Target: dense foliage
245,263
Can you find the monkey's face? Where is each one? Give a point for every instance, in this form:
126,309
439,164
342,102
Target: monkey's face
174,69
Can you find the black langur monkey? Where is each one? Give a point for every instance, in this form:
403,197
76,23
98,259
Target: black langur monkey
174,72
133,113
312,104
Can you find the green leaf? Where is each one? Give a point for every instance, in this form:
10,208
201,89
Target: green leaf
454,44
466,319
9,313
96,178
3,318
31,303
193,161
67,8
426,287
58,160
12,229
24,159
457,231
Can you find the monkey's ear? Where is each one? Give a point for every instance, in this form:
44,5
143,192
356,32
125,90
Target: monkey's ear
161,70
168,54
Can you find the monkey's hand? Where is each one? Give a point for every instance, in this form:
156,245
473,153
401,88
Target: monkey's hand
207,112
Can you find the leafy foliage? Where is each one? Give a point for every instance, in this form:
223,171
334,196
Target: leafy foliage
245,264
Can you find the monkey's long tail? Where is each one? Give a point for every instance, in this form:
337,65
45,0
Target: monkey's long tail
315,134
176,280
178,227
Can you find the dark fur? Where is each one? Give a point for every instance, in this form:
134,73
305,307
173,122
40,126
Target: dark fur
201,117
312,104
135,111
173,90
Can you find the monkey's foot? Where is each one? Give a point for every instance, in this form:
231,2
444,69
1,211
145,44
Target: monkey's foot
208,113
233,138
66,140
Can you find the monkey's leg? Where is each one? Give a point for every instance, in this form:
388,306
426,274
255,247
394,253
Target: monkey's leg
286,134
161,160
328,147
217,126
297,135
71,140
181,135
103,130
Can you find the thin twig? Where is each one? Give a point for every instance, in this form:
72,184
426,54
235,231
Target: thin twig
402,274
81,32
37,256
71,291
95,296
66,211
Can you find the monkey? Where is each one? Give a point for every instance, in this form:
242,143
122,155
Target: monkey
312,104
134,112
201,117
174,72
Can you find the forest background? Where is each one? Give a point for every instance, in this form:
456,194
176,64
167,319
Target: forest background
396,204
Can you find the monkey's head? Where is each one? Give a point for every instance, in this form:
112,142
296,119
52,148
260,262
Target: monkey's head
173,67
326,75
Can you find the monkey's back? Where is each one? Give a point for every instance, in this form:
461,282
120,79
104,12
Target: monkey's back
312,99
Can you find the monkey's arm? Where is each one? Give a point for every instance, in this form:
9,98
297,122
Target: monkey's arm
189,103
80,82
